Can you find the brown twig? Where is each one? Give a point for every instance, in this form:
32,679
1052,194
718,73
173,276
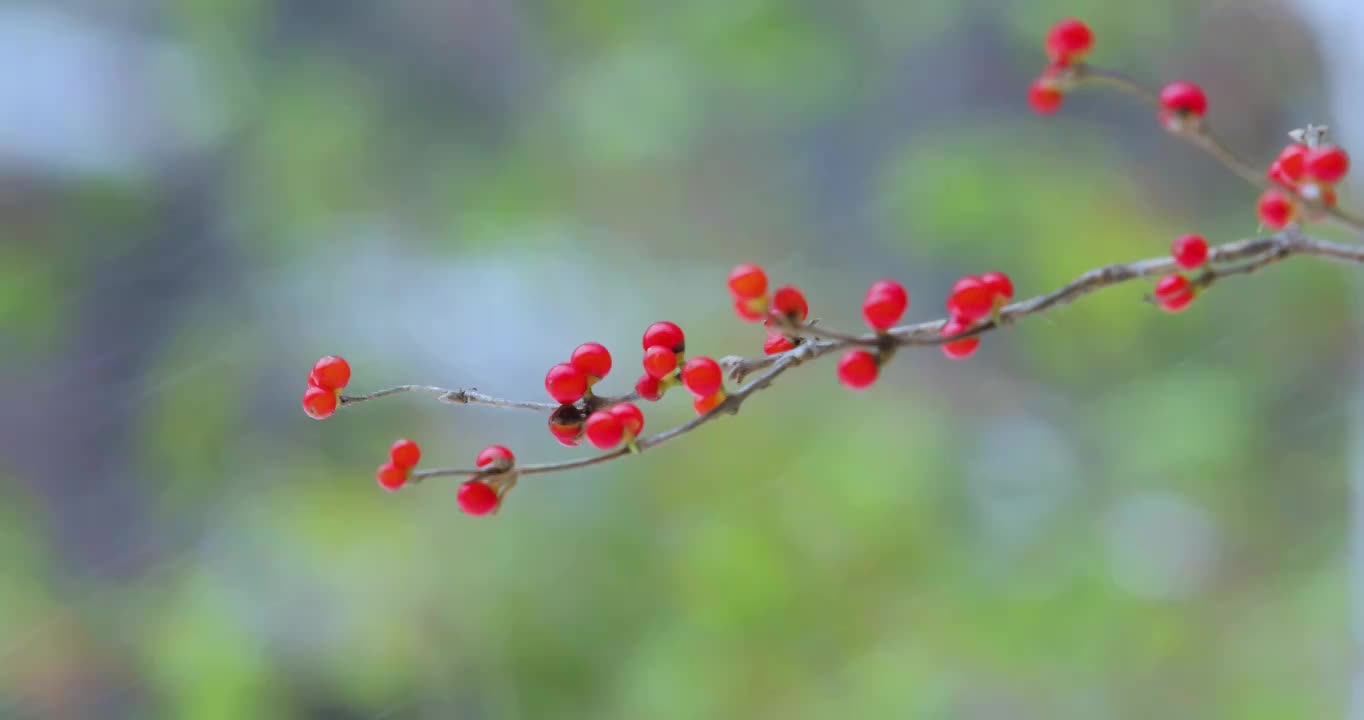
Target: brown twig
1234,258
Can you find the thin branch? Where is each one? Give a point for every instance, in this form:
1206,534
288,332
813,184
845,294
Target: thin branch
1201,136
454,397
1235,258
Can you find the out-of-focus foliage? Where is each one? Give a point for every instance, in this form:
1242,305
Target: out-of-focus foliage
1109,512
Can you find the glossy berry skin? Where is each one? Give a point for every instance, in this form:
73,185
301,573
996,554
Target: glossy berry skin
702,376
330,373
1044,98
958,349
1326,164
649,389
565,383
885,304
659,362
857,369
777,344
630,418
1174,293
1189,251
999,285
703,405
666,334
747,282
789,302
1277,174
1069,40
495,454
604,430
405,454
970,299
391,477
566,425
753,310
476,498
1292,162
1183,98
319,404
1276,209
593,359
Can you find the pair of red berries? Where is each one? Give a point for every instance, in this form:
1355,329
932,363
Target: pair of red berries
621,422
568,382
477,497
883,306
325,381
1066,43
402,457
972,299
1308,173
748,287
1174,292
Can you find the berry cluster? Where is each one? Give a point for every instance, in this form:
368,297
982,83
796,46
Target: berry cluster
973,299
883,306
665,347
1182,104
785,307
1174,292
402,457
482,495
325,381
1305,172
572,381
1066,44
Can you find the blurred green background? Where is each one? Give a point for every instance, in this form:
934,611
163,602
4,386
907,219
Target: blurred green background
1108,512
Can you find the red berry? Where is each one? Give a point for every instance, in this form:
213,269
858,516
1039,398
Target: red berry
566,425
494,454
1327,163
748,282
958,349
857,369
604,430
884,304
752,310
971,299
999,284
1276,210
330,373
702,376
391,477
630,418
1174,293
1069,39
319,404
405,454
648,388
659,362
1183,98
790,303
666,334
1276,173
1292,162
703,405
565,383
1189,251
777,344
593,359
476,498
1044,98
